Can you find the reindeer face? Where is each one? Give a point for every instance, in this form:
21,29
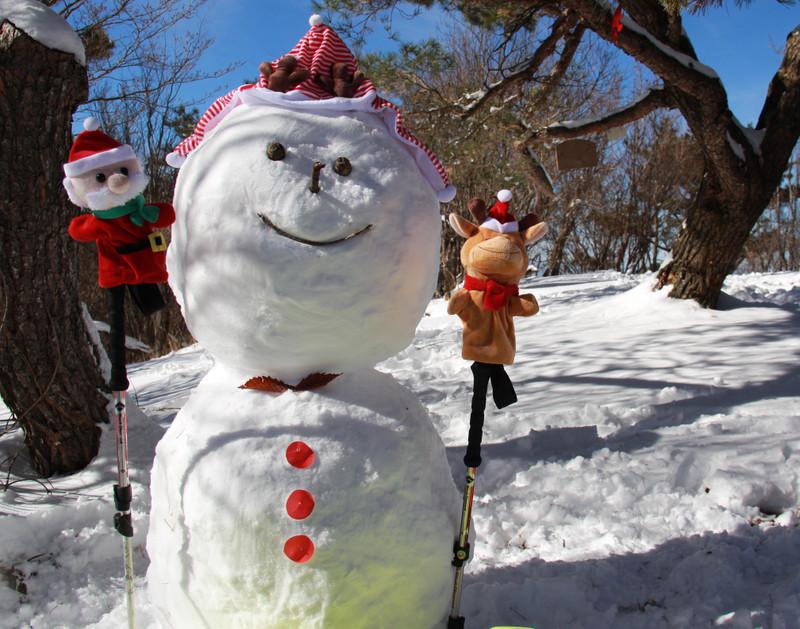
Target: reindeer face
282,280
499,256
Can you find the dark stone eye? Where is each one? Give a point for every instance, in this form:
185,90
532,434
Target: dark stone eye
275,151
342,166
124,171
100,177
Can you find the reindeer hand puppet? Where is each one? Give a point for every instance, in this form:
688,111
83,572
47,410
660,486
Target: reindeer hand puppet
494,259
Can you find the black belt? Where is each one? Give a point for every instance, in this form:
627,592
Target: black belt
155,242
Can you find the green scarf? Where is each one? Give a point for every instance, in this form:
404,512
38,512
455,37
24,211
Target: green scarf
135,209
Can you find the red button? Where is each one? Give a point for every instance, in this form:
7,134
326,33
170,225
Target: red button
300,455
299,548
299,504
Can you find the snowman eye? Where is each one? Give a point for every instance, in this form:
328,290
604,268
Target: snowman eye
124,171
100,177
342,166
275,151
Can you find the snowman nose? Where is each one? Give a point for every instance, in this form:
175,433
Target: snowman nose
314,187
118,183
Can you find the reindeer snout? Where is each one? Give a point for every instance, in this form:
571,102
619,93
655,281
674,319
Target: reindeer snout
500,256
118,183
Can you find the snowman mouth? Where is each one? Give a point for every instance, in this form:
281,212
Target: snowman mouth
306,241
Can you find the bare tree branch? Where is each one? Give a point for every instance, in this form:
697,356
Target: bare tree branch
571,44
654,99
559,28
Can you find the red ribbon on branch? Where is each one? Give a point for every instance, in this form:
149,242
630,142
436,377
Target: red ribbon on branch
616,23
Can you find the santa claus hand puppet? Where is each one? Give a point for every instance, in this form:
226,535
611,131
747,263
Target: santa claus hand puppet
106,178
495,258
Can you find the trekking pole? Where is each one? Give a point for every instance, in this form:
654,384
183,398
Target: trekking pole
122,490
461,551
472,459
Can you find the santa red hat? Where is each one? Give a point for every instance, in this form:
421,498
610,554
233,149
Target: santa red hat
93,149
317,50
499,218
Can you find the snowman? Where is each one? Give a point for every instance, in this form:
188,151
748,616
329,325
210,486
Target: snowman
298,486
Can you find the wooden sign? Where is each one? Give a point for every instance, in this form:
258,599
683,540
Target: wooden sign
574,154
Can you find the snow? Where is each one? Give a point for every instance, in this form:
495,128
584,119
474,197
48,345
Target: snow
754,136
130,342
290,309
737,148
384,509
646,479
685,60
44,25
282,274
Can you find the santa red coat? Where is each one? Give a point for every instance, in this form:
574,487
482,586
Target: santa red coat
144,266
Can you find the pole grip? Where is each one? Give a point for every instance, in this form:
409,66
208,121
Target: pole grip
116,346
481,373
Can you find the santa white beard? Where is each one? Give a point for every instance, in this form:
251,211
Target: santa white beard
105,198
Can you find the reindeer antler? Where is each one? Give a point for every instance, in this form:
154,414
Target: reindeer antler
529,220
287,75
341,81
477,207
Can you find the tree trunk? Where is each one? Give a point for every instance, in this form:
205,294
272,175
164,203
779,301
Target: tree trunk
710,245
49,375
556,257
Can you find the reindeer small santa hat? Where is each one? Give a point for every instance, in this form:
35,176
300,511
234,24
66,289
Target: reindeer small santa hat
499,218
317,50
93,149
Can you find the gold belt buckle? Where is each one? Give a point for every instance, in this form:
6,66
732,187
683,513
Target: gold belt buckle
157,242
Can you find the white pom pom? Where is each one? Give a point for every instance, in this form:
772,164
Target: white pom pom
504,196
316,20
175,160
91,124
446,195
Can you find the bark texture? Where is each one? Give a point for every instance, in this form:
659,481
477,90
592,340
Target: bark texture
742,167
49,375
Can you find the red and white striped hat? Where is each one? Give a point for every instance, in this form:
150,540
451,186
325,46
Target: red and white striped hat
317,50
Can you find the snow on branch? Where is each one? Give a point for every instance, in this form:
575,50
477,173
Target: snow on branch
674,67
683,59
568,129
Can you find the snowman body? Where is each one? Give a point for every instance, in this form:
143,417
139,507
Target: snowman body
329,508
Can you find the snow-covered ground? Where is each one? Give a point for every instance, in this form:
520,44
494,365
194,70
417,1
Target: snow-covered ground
647,478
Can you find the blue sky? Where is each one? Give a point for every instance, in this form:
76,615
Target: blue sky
742,44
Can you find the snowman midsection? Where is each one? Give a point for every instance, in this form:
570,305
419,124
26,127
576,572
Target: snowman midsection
365,432
354,471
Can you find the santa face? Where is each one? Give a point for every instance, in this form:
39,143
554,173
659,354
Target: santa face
108,186
283,273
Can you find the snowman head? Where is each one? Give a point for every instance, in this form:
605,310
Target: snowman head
307,236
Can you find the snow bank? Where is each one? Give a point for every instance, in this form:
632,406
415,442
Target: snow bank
635,485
